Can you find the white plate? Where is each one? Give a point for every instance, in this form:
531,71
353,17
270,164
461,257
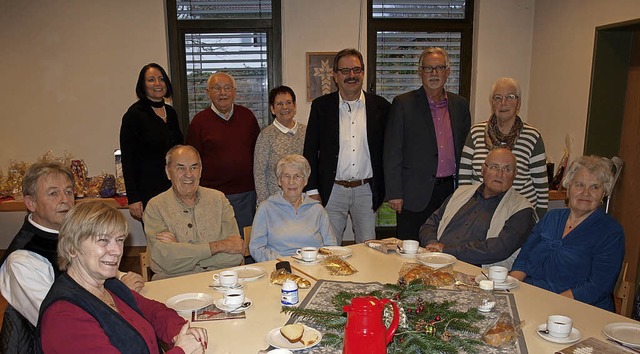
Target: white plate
574,336
342,252
510,283
299,259
411,255
275,338
216,285
436,259
189,301
249,273
624,332
221,306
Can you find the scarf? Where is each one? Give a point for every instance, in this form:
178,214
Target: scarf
495,138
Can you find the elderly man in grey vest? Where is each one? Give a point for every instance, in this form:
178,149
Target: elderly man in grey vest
483,224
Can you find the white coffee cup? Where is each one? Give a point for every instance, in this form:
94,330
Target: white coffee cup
559,326
233,298
410,246
308,254
498,274
226,278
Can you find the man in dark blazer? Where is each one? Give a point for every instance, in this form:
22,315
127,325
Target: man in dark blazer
425,134
344,145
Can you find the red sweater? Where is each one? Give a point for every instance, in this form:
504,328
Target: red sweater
226,149
66,328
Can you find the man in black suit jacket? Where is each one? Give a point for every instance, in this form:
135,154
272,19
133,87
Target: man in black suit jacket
343,144
424,138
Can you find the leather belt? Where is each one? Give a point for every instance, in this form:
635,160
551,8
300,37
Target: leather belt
440,180
353,184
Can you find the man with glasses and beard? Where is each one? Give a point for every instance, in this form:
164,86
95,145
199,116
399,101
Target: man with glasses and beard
425,134
343,145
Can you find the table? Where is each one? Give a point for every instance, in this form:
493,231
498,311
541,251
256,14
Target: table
248,335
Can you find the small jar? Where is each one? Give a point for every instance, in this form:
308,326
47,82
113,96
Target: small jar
289,293
487,301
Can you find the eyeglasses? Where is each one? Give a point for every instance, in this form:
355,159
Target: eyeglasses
288,177
496,168
217,88
510,98
438,68
357,70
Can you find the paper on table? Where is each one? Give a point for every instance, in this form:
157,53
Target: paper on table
212,313
593,345
385,246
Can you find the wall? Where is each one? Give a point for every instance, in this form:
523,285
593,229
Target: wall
68,73
563,39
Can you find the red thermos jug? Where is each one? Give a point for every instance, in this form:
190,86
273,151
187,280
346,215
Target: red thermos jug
365,331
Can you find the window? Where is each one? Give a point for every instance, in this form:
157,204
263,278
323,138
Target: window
399,30
240,37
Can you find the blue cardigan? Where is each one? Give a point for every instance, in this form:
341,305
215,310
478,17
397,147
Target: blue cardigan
587,260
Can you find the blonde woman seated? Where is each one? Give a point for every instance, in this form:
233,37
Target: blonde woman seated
289,219
87,310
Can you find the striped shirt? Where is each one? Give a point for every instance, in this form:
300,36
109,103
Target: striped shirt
531,180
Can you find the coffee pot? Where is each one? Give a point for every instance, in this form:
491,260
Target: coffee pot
365,331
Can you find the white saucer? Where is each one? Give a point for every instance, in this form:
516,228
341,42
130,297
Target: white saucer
225,308
625,332
510,283
299,259
410,255
189,302
574,336
216,285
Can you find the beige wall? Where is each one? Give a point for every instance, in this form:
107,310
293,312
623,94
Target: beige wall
68,72
563,39
69,67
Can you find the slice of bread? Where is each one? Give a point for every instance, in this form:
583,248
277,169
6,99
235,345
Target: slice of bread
309,337
292,332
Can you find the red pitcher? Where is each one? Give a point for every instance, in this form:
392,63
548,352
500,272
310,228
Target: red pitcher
365,331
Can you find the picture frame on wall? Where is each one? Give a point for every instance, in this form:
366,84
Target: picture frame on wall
320,74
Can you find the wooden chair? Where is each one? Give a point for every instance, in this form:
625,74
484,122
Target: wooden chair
247,239
622,292
145,265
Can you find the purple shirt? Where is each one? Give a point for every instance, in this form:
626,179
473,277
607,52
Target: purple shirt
444,137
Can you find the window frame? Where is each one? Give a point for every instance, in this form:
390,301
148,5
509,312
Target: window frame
177,29
464,26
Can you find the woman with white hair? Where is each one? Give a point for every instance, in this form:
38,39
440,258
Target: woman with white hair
289,219
506,129
577,252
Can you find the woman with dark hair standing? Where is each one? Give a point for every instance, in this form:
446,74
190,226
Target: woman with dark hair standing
149,129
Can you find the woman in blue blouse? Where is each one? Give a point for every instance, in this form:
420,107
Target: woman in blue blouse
577,252
289,219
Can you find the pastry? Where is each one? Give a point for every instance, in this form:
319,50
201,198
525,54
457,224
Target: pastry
292,332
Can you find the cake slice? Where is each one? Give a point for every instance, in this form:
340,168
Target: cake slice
292,332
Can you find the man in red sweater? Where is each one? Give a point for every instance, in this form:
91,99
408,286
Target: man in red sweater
225,136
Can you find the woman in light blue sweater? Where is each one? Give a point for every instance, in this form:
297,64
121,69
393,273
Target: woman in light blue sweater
289,220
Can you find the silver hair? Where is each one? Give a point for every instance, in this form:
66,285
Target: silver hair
504,80
220,73
600,167
294,161
169,155
434,50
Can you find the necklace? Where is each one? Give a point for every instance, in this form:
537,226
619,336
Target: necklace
108,299
164,117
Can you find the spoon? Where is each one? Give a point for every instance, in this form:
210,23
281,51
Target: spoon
242,307
485,275
543,331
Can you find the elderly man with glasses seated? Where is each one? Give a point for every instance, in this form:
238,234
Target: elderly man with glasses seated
486,224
